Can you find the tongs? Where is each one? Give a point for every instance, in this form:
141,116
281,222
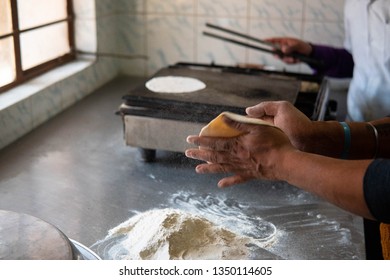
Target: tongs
275,49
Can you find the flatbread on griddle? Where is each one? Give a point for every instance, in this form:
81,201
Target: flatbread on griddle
174,84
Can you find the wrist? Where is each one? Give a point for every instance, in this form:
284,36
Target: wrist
285,163
308,49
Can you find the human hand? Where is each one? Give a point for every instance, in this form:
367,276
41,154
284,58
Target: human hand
291,45
289,119
254,154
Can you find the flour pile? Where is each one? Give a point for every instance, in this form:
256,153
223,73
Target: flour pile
173,234
174,84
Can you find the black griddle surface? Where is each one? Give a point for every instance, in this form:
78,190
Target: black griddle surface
224,92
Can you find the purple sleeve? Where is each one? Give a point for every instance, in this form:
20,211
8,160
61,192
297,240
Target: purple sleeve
338,63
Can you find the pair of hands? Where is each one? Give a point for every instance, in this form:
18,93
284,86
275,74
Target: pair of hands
258,152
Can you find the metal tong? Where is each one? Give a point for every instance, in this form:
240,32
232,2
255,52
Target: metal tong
275,49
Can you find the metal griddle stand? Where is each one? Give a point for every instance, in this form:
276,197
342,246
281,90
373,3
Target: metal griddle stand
162,122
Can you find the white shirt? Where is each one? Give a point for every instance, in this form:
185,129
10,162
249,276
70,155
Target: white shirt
367,28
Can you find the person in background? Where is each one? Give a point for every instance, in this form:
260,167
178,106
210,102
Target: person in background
365,57
346,163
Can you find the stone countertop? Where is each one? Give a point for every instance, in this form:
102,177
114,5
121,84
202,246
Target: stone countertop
76,173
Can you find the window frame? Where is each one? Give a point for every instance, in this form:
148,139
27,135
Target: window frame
24,75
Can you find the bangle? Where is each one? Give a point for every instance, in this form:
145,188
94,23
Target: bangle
347,140
376,139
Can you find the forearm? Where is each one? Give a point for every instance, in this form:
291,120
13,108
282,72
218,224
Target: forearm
323,138
337,181
338,62
328,138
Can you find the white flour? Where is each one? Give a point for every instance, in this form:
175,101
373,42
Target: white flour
174,84
210,226
174,234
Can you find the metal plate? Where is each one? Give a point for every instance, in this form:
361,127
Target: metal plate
82,252
24,237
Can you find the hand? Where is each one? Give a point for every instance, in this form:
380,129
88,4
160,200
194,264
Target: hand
318,137
255,154
284,115
291,45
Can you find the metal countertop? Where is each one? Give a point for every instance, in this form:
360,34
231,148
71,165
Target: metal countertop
76,173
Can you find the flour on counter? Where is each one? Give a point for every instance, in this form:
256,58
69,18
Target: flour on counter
209,226
165,234
230,213
174,84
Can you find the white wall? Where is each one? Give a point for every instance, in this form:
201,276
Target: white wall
164,31
171,30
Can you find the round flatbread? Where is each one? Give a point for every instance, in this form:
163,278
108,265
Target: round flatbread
218,128
174,84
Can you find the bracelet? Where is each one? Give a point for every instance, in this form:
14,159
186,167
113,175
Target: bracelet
376,139
347,140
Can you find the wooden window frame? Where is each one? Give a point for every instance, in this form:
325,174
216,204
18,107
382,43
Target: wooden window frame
24,75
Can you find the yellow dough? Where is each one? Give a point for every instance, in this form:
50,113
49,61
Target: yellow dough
217,127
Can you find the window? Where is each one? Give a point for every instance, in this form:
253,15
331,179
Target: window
35,36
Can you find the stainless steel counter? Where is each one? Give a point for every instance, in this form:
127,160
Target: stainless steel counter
76,173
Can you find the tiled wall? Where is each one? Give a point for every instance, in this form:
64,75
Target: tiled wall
168,31
171,30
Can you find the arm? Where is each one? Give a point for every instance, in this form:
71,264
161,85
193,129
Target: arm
267,153
338,181
338,62
325,137
274,158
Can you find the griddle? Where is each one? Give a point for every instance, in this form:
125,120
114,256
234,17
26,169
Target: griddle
162,121
225,91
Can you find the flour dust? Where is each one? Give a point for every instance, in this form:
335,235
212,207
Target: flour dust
191,228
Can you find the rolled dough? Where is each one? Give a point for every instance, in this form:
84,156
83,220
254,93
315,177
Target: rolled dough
218,128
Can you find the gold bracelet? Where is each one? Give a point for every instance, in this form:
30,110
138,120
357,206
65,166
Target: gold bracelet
376,139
